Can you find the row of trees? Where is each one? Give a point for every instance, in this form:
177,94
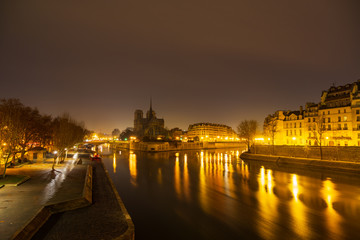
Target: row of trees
22,128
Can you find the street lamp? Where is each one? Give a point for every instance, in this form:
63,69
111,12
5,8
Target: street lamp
294,139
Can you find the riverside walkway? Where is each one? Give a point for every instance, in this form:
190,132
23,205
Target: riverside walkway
61,200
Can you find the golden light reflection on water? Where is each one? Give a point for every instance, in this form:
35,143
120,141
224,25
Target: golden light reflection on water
181,177
114,163
186,179
333,219
295,187
132,168
177,177
204,203
215,174
224,186
268,205
298,210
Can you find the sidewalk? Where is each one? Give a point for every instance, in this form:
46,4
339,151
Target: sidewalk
18,205
106,218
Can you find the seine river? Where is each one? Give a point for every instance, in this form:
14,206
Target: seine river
213,194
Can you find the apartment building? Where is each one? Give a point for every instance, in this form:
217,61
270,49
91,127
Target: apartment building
334,121
212,132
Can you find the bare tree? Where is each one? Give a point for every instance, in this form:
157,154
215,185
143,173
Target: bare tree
127,133
11,129
115,133
271,128
247,130
66,133
31,125
45,131
318,129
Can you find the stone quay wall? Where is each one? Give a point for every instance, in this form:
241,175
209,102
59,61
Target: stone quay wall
337,153
178,146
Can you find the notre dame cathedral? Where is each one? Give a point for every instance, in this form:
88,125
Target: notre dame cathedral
149,127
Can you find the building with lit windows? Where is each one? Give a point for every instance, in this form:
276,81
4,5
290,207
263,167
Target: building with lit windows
211,132
335,120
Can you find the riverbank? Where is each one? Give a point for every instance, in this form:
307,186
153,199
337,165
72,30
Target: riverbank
177,146
315,164
72,200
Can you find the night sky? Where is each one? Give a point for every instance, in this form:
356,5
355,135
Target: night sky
200,60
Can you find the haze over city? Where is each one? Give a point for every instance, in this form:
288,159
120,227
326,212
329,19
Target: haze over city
200,61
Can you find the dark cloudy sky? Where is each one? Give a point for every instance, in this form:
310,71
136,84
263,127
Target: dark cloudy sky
200,60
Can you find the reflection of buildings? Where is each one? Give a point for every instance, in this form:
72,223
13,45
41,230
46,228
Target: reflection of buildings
211,132
337,117
149,127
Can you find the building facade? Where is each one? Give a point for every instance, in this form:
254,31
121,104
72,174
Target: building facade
334,121
210,132
149,127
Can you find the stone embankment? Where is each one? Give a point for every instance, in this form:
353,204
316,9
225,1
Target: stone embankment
84,205
335,153
315,164
105,218
177,146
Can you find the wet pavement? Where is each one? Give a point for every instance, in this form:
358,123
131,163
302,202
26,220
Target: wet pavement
104,219
20,204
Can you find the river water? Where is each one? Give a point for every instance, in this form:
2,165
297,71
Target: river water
214,194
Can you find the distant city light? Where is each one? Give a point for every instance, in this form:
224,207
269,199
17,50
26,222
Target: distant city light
259,139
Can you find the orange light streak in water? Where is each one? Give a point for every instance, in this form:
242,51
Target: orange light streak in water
268,205
186,179
177,177
333,219
132,168
114,162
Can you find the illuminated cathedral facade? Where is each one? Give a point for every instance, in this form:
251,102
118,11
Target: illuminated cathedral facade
149,127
